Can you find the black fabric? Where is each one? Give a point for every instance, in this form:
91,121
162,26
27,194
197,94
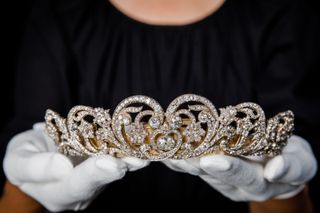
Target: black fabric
88,52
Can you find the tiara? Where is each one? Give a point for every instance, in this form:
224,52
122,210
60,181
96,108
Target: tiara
190,127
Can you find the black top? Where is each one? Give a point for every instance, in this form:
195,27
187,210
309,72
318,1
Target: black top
88,52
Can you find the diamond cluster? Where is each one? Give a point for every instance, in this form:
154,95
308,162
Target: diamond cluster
190,127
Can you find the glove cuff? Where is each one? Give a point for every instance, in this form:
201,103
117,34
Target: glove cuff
291,193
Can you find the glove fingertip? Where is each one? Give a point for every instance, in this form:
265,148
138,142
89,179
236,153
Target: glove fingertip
215,163
135,163
275,169
109,163
61,166
184,166
39,126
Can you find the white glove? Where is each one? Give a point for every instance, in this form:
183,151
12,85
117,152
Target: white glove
252,180
34,165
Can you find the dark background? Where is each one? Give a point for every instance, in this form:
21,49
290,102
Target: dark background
14,15
13,20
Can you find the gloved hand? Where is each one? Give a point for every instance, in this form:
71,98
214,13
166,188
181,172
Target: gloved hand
245,179
34,165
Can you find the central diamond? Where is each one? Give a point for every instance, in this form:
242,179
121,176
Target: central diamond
166,143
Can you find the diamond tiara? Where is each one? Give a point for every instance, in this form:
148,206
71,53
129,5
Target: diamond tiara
190,127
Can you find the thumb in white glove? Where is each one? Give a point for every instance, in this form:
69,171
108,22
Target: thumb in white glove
251,180
34,165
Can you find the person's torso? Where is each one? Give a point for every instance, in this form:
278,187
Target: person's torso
117,56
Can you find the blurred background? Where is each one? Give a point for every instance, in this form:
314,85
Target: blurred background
13,18
14,15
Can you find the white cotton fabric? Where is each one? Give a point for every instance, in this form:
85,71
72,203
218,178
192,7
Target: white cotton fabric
34,165
254,179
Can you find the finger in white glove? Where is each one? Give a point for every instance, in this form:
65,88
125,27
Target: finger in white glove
134,164
290,166
245,178
33,163
25,161
76,190
190,166
296,165
250,179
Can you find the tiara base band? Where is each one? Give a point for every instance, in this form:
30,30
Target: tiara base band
190,127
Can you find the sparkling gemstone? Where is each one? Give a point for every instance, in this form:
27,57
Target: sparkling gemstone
187,146
203,117
126,120
194,132
166,143
175,122
144,148
154,122
135,133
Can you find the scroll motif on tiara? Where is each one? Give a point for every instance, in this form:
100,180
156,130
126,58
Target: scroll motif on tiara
190,127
